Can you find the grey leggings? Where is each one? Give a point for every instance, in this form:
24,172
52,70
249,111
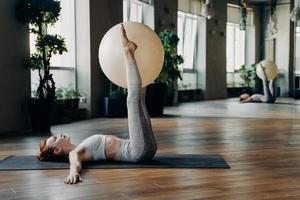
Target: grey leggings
269,92
141,145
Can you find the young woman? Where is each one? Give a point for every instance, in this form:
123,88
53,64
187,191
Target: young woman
269,94
141,144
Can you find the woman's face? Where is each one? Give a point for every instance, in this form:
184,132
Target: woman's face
59,142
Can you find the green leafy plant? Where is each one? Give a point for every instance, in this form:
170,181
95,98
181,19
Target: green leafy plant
247,73
72,94
183,86
40,14
66,93
170,71
59,93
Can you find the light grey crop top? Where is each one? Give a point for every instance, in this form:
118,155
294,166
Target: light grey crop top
257,97
95,144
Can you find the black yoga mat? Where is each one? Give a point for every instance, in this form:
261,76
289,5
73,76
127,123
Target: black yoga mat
12,163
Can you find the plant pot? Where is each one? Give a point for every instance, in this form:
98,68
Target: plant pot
237,91
41,113
170,98
71,104
61,115
190,95
248,90
115,107
156,94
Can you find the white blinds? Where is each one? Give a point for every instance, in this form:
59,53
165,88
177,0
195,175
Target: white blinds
190,6
233,15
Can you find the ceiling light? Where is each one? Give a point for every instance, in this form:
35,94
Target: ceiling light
208,10
295,14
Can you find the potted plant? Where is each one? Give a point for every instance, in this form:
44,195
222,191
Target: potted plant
67,106
40,14
170,71
165,85
114,104
71,98
248,74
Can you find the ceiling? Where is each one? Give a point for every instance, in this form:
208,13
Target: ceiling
268,1
263,1
259,1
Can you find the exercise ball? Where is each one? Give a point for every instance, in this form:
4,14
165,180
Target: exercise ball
149,54
271,69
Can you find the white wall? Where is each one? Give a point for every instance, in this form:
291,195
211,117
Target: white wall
14,78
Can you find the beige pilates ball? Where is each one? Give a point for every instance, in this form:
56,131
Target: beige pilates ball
149,54
271,69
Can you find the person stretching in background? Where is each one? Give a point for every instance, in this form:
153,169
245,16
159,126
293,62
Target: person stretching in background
269,94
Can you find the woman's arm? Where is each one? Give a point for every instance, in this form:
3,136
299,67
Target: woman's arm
250,99
76,157
75,169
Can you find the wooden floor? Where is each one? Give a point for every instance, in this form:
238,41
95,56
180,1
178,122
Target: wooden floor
263,150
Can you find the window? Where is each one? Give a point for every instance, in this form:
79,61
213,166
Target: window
235,48
297,49
240,44
191,30
62,66
66,28
134,9
139,11
187,33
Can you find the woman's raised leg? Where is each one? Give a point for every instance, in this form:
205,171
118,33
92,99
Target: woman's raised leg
267,93
141,144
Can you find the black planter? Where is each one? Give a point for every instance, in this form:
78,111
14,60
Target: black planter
190,95
71,104
41,113
156,95
115,107
61,115
170,98
237,91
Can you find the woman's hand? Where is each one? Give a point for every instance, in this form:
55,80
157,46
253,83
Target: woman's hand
73,178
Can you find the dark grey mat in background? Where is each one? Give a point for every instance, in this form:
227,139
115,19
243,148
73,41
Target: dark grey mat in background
12,163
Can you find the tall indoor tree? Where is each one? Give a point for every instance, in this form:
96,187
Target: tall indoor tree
39,15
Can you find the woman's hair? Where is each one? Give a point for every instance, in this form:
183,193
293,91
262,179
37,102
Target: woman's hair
242,97
47,153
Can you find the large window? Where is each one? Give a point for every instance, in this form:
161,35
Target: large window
62,66
297,50
139,11
132,11
240,44
191,30
66,28
297,56
187,33
235,49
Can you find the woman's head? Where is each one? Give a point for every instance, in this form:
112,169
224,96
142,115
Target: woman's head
55,148
244,97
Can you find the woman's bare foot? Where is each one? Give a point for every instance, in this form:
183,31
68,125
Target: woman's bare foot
126,43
